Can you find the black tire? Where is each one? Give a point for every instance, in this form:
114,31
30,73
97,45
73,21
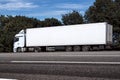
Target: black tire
101,47
68,49
38,49
108,47
85,48
35,50
76,48
95,48
19,49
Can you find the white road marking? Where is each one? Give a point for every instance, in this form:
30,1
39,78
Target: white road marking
7,79
74,55
83,55
62,62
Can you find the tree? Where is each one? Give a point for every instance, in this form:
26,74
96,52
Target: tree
105,11
51,22
1,40
117,14
101,11
72,18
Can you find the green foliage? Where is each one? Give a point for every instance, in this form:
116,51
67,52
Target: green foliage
51,22
1,41
20,22
72,18
101,11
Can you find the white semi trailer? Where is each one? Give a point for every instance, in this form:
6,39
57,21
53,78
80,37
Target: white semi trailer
84,37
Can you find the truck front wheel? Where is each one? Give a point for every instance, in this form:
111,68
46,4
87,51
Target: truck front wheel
19,49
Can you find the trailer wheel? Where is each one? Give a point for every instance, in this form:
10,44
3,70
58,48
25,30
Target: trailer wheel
108,47
96,48
76,48
85,48
68,48
101,47
37,49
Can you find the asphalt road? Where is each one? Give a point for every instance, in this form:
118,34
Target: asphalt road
104,65
103,56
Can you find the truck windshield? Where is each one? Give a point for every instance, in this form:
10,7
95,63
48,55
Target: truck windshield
16,39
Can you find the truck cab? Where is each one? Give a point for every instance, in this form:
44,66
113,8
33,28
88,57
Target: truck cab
19,41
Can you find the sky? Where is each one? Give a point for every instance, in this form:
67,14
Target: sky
42,9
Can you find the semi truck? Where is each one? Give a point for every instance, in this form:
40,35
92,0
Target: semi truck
79,37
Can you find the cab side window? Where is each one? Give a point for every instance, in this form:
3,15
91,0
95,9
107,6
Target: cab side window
16,39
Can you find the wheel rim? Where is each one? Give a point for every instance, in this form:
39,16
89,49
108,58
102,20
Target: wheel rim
85,48
68,48
19,50
76,48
